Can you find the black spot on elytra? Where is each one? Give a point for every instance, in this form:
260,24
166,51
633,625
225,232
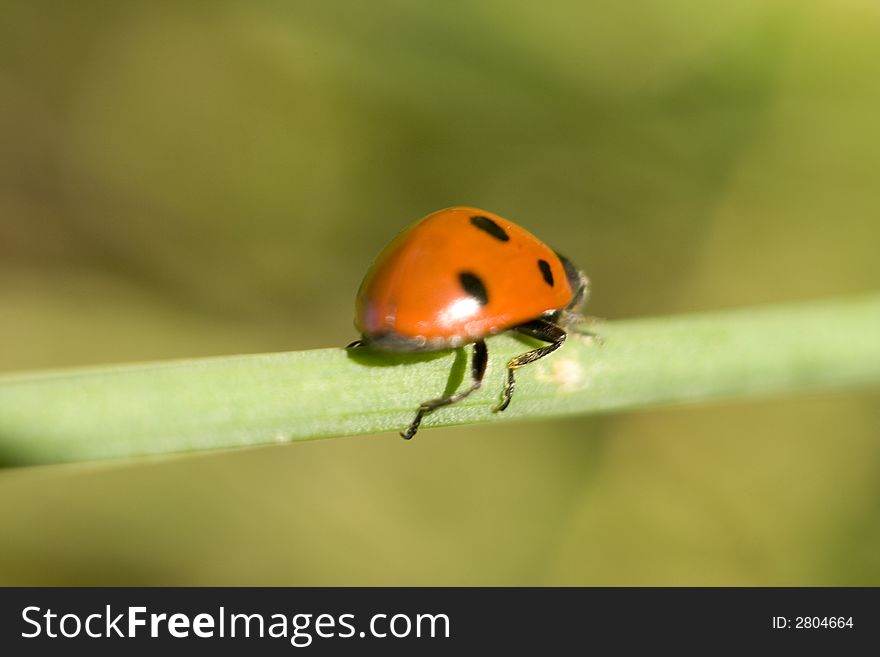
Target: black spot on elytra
486,224
472,284
544,266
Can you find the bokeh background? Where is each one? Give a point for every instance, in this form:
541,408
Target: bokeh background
194,179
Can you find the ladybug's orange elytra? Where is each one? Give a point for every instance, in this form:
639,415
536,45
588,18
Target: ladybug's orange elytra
458,276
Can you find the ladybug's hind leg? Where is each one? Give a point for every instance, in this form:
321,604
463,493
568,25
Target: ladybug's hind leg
478,369
539,329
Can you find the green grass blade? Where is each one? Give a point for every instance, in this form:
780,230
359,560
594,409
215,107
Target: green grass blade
159,408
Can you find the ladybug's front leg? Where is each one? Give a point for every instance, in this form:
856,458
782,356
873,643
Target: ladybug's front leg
539,329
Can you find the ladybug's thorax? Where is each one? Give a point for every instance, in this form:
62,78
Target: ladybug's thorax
456,276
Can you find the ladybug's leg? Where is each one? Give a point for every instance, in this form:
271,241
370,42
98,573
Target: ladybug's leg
542,330
478,369
356,343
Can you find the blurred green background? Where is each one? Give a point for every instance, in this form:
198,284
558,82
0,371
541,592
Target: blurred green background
182,180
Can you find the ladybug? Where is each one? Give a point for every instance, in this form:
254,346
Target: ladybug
459,276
